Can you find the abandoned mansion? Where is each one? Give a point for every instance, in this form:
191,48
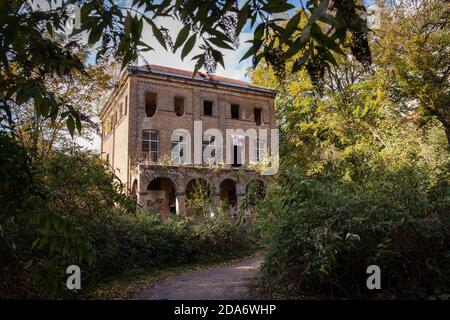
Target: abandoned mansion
168,134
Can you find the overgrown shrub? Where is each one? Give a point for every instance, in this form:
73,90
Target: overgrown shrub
80,214
144,239
323,230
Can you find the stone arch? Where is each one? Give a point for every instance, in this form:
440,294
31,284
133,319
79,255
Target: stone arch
228,193
258,186
198,195
161,194
195,184
255,191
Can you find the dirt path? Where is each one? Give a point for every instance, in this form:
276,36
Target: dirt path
228,282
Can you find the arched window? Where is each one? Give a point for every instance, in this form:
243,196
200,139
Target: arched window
228,195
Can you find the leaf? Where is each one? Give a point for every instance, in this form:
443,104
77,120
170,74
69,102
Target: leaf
291,26
220,43
49,29
35,243
332,21
242,17
158,34
259,31
28,264
248,54
319,11
24,94
277,6
95,34
199,64
298,44
328,56
352,236
298,64
78,123
181,38
188,46
71,125
324,40
218,57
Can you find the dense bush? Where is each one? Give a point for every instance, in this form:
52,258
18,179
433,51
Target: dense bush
78,213
144,239
324,227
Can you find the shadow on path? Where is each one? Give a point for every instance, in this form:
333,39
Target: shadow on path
228,283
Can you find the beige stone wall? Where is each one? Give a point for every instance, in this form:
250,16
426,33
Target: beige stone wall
114,144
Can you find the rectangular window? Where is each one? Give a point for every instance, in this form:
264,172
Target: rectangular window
234,111
210,143
237,156
257,112
179,106
179,149
150,145
207,108
150,104
260,150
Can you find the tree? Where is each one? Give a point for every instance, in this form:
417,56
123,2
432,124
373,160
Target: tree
414,50
30,51
85,93
362,181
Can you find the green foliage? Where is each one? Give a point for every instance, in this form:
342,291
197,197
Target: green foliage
414,51
357,188
80,214
323,232
146,240
37,46
42,219
363,180
255,192
198,200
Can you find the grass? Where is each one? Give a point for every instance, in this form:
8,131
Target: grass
131,283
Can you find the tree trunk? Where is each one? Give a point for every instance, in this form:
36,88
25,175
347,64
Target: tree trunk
444,117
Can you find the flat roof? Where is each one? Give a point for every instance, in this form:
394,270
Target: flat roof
199,76
187,75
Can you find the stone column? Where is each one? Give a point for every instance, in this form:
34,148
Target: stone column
142,190
215,201
240,193
196,104
181,203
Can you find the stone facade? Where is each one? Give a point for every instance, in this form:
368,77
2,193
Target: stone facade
150,103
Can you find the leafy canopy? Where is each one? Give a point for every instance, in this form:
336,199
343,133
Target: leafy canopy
30,51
